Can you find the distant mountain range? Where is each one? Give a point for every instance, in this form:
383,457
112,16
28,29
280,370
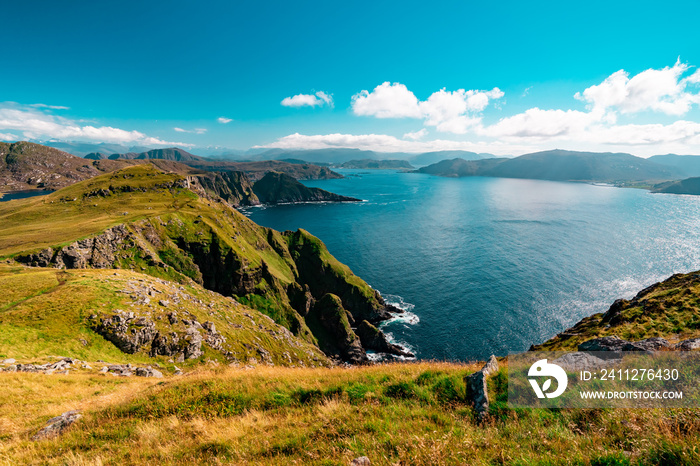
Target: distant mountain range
173,153
561,165
688,164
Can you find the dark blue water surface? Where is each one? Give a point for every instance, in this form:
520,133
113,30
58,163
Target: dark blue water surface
23,195
492,265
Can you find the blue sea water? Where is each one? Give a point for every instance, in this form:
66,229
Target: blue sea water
492,265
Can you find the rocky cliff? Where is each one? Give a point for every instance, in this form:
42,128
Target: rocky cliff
233,187
279,188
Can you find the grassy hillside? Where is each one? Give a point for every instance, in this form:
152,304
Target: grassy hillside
394,414
46,312
143,219
687,186
25,166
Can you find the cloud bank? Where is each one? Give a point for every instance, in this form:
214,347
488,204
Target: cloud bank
609,121
35,122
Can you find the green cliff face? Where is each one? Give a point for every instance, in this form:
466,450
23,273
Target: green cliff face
233,187
276,188
156,223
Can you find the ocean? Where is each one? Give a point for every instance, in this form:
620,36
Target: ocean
492,265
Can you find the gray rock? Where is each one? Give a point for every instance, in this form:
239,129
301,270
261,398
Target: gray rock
688,345
361,461
148,372
615,345
57,425
580,361
477,391
9,361
126,332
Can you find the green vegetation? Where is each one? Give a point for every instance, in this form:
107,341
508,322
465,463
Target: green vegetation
143,219
45,312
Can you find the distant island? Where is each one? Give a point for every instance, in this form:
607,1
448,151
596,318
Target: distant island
371,164
560,165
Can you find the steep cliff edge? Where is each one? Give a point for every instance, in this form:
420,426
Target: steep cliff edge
143,219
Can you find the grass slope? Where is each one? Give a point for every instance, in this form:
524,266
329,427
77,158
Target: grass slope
45,312
395,414
176,234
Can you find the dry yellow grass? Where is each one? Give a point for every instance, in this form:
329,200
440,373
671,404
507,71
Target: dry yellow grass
318,416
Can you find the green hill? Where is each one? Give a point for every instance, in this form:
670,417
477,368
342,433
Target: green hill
687,186
25,166
278,188
161,224
174,154
688,165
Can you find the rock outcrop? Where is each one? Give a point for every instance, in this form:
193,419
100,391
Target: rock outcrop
337,338
182,339
373,339
614,345
232,186
477,390
57,425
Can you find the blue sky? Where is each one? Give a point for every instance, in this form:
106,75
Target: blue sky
498,77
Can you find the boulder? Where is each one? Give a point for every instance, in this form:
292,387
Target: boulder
361,461
615,345
688,345
57,425
128,333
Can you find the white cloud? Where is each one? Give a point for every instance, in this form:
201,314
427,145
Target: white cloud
663,90
448,111
32,123
386,143
193,131
51,107
420,134
308,100
387,101
538,123
8,137
224,120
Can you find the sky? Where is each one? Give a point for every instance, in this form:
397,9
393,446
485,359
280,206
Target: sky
506,77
